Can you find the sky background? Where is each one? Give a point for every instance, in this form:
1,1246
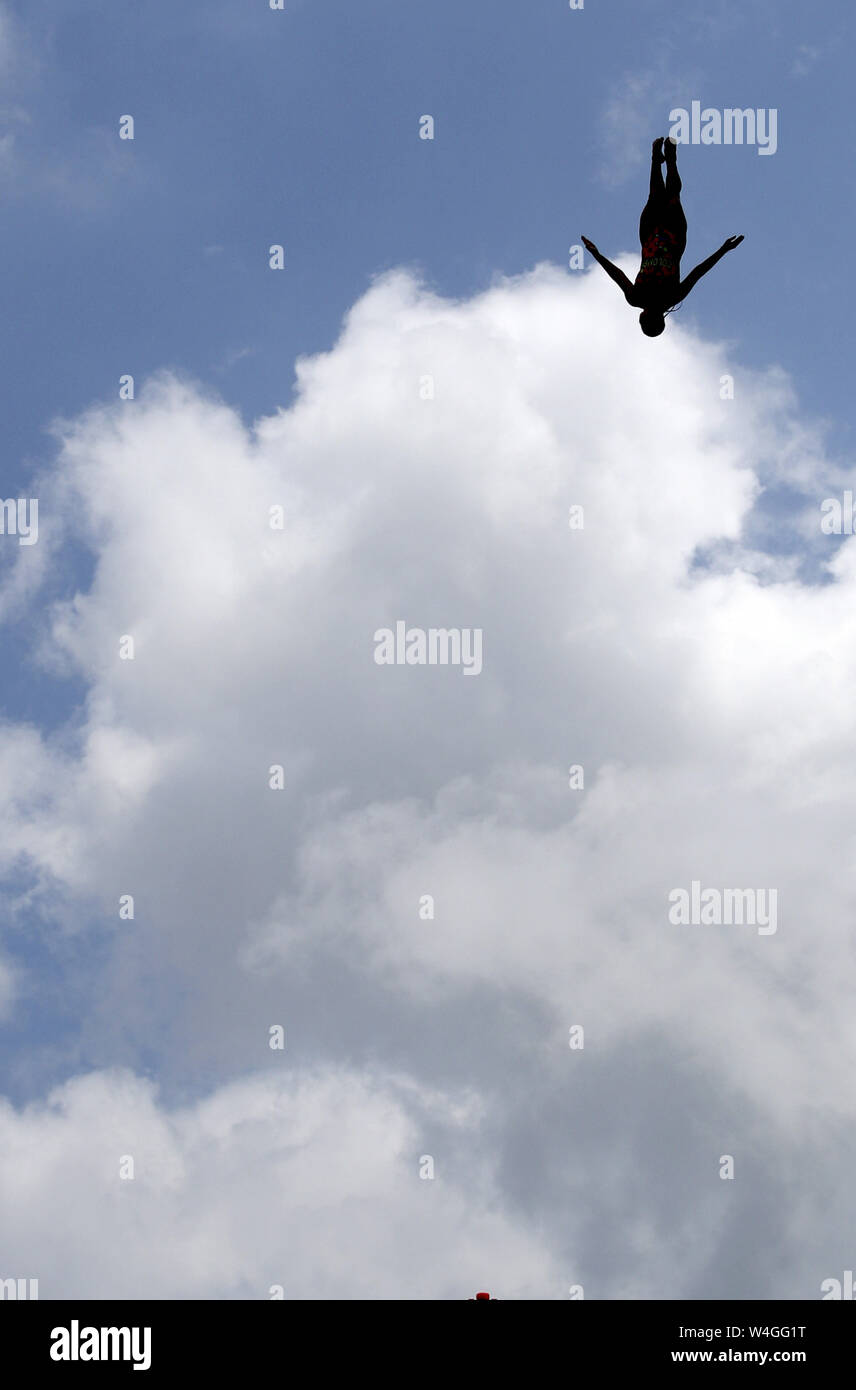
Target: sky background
691,648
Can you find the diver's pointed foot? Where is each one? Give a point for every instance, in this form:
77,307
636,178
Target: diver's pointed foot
670,146
657,150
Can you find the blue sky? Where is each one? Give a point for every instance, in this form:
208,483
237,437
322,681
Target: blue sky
711,706
301,127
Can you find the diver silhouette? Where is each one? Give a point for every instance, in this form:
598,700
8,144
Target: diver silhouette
658,288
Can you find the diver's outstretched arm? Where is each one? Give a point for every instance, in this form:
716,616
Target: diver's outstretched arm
704,266
612,271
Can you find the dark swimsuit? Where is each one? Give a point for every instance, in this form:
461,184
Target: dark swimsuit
659,274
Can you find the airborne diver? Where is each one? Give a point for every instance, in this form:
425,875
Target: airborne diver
658,288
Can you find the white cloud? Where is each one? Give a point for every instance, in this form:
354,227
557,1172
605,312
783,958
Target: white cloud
311,1183
712,711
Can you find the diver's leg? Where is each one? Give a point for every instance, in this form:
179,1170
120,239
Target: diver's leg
679,226
676,220
652,211
656,186
673,178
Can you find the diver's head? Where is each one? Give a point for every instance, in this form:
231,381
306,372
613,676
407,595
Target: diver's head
652,322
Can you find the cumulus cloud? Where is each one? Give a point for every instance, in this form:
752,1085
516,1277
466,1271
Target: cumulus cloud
310,1184
425,474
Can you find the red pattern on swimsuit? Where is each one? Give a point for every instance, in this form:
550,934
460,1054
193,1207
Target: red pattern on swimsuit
660,259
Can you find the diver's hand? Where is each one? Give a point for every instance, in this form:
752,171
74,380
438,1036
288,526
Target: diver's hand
589,245
730,244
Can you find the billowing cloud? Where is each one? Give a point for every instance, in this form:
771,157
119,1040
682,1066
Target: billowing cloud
426,474
308,1187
